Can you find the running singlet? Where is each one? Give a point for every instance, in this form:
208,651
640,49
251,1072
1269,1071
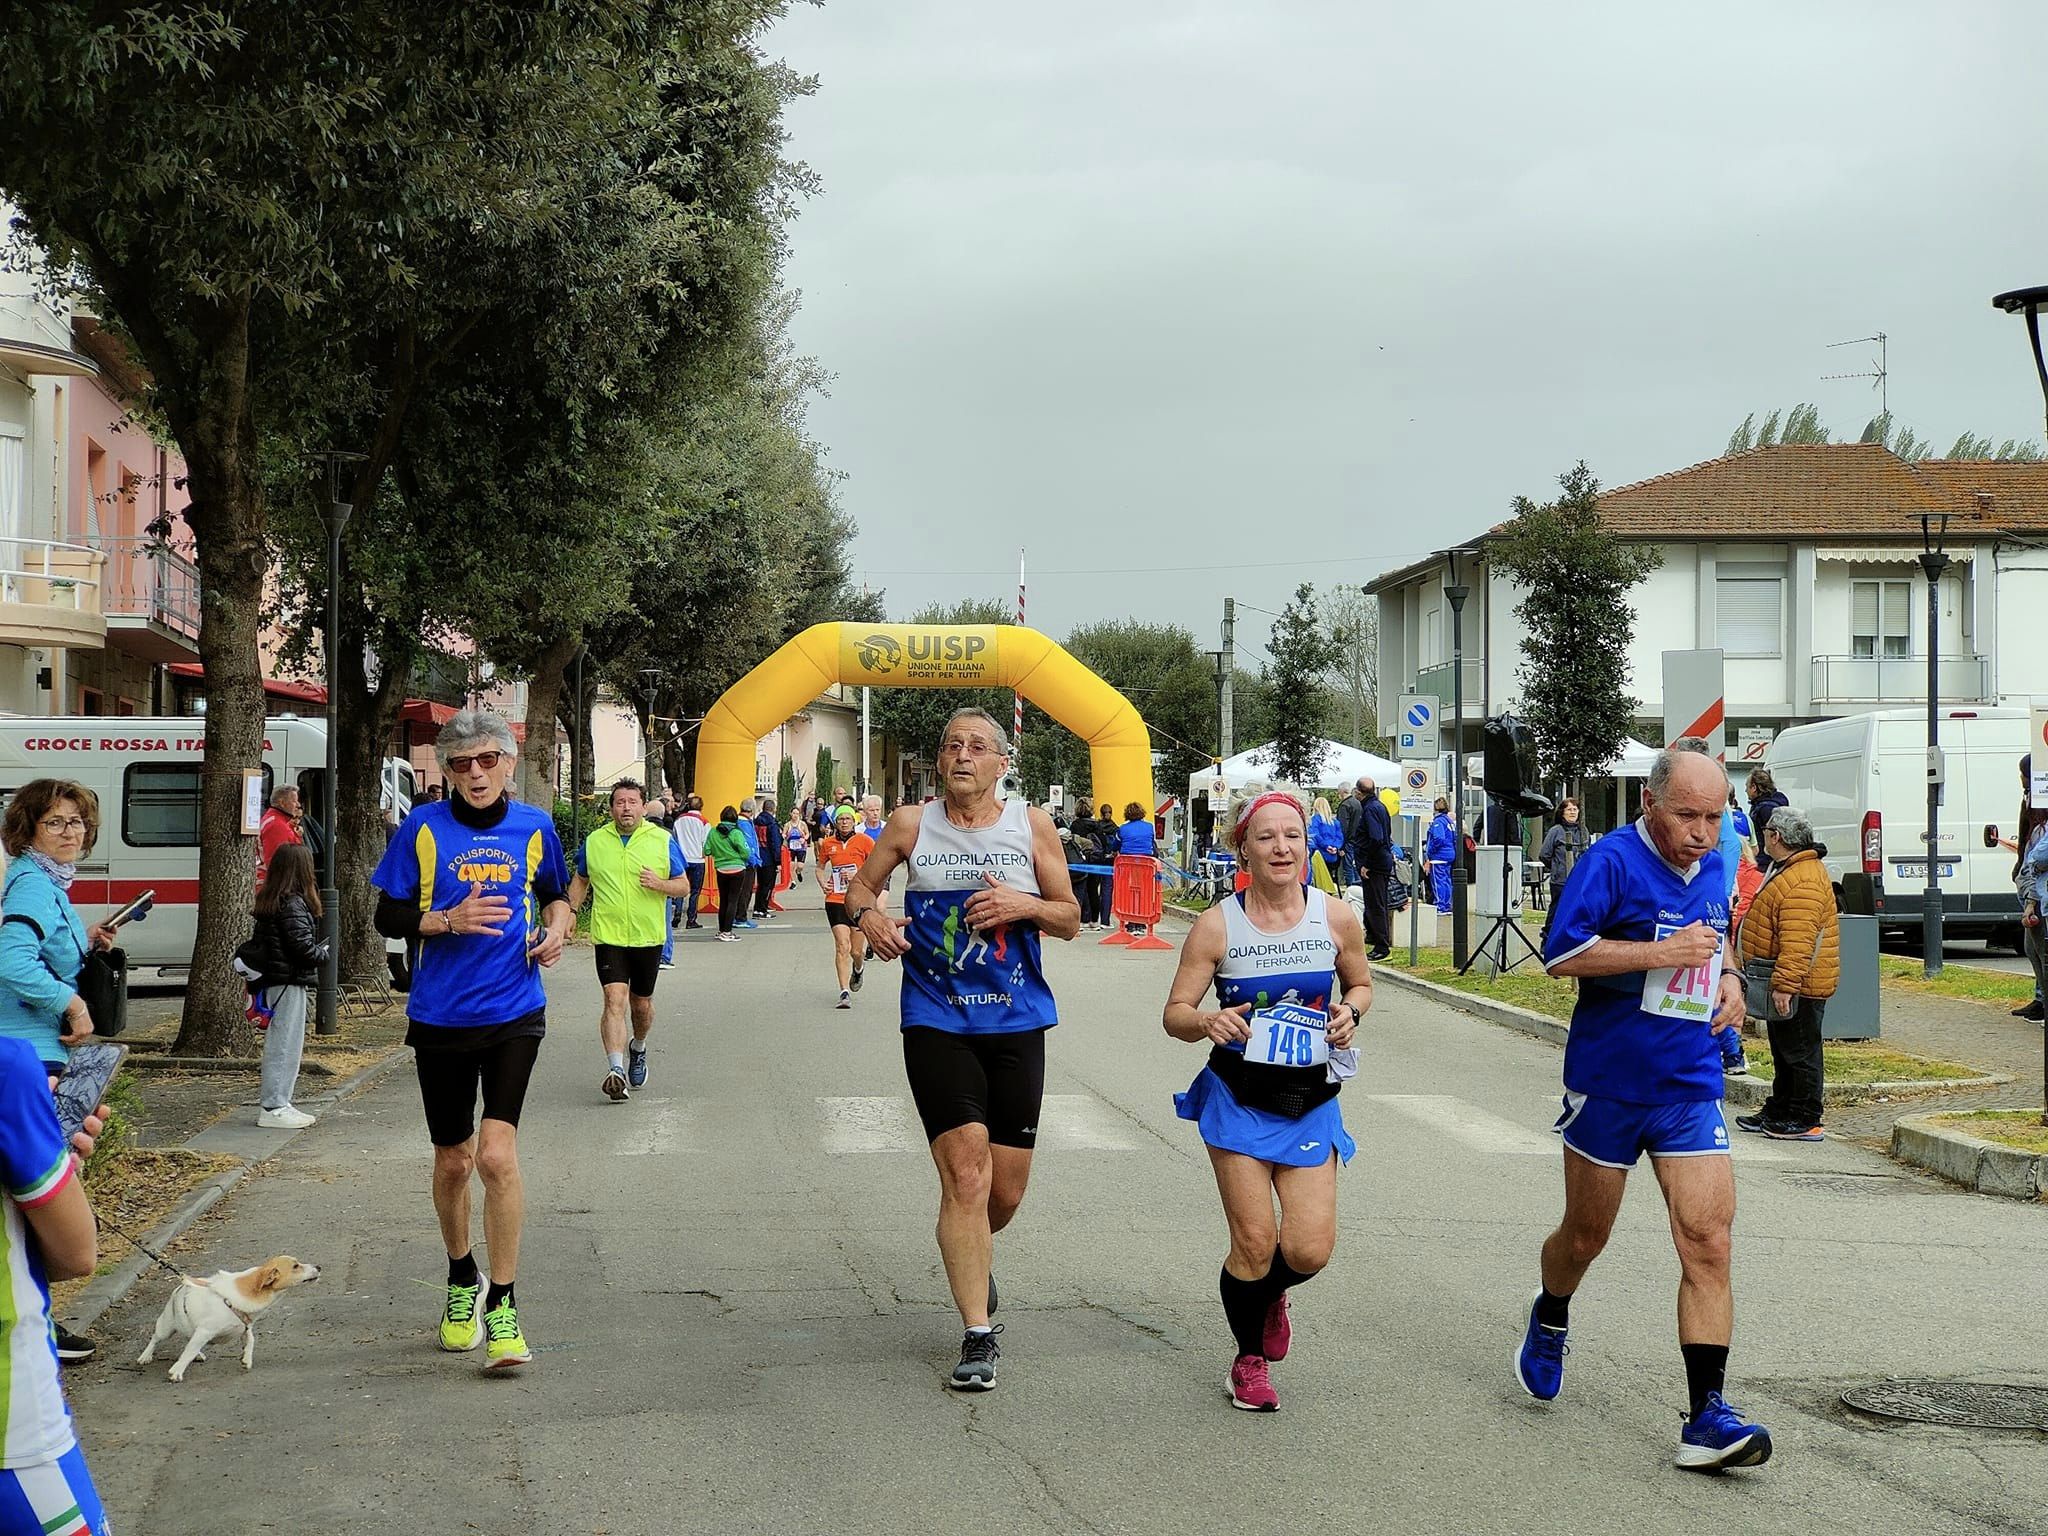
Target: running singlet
839,861
1277,971
1641,1037
466,979
36,1164
963,981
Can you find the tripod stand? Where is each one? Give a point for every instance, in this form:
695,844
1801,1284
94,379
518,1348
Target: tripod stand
1505,924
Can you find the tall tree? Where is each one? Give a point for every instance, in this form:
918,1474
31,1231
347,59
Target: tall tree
1354,619
1972,446
201,170
1576,621
1303,650
1801,424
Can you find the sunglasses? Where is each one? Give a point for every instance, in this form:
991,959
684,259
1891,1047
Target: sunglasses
484,760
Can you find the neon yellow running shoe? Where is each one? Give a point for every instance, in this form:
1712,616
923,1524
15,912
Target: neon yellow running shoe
461,1328
507,1344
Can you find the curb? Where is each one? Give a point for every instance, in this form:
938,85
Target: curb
1748,1091
104,1291
1989,1167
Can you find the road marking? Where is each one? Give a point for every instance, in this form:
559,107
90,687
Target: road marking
882,1124
1477,1128
1080,1122
662,1127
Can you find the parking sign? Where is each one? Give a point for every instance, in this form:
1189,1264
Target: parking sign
1415,726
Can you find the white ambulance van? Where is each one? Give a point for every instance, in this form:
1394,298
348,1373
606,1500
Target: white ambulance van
146,774
1862,782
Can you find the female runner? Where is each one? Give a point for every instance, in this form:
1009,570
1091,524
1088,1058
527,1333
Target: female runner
1289,968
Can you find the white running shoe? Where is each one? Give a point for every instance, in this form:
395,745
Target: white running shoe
284,1118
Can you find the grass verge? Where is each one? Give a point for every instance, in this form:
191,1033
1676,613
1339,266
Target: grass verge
2021,1128
1843,1061
1962,983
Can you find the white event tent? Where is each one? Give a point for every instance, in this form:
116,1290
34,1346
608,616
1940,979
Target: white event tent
1340,768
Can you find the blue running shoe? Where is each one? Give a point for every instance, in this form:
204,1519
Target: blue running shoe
636,1067
1716,1437
1539,1363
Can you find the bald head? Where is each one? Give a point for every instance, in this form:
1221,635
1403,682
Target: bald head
1683,803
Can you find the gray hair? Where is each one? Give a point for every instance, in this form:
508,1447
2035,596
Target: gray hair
282,793
474,728
1667,761
995,727
1792,827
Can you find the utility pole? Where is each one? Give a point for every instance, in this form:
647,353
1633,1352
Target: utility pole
1229,672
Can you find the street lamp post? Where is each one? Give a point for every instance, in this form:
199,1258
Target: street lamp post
1933,532
2030,302
1455,593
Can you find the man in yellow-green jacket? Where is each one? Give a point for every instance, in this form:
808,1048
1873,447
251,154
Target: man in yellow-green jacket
629,868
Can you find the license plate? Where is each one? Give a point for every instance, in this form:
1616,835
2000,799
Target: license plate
1917,868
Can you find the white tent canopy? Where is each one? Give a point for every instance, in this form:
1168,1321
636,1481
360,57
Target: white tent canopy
1340,768
1635,761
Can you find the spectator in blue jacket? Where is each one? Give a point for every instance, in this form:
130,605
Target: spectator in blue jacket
768,836
752,838
1326,838
50,825
1136,835
1440,853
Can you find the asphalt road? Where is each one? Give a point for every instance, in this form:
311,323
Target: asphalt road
742,1325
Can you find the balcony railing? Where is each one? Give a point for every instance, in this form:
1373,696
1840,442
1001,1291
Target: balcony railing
1962,679
50,594
149,580
1437,680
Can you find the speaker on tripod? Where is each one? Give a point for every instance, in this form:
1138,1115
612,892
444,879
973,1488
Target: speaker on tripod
1513,789
1510,775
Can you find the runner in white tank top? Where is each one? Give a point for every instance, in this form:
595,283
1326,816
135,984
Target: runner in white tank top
987,882
1291,979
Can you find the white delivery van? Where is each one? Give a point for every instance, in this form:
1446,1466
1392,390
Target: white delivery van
146,774
1862,781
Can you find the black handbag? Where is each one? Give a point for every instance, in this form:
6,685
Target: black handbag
103,988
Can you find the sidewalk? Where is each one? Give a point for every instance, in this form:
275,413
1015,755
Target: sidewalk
1980,1035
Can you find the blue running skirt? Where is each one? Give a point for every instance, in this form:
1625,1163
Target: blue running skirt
1230,1127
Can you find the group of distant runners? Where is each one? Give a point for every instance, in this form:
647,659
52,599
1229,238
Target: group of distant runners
1274,981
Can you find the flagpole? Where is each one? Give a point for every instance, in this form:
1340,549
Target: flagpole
1017,720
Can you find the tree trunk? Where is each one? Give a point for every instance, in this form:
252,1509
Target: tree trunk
544,695
215,428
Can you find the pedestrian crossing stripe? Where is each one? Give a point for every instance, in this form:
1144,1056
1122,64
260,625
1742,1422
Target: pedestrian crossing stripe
1067,1122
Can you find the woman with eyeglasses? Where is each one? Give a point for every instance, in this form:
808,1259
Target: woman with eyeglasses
50,825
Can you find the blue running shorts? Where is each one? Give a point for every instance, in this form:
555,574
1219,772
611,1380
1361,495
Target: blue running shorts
1614,1132
51,1498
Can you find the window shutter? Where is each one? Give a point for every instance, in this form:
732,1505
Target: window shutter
1863,608
1750,616
1897,601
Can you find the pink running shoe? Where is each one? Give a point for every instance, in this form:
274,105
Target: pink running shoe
1250,1388
1279,1332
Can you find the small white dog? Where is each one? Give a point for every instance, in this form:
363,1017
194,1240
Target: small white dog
230,1299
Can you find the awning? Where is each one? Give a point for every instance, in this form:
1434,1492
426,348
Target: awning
273,687
1885,554
426,712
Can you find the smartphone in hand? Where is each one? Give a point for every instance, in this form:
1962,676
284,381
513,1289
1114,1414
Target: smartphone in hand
139,907
82,1086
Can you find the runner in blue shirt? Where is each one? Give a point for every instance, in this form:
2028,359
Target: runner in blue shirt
1642,926
480,882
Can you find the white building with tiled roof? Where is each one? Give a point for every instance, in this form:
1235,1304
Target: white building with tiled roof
1800,563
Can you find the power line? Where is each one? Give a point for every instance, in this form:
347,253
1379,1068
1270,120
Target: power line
1236,565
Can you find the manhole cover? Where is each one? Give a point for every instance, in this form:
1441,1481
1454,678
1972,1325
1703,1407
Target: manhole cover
1978,1404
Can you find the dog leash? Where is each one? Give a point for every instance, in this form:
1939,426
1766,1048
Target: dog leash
138,1243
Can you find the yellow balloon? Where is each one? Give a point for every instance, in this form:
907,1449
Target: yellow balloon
926,656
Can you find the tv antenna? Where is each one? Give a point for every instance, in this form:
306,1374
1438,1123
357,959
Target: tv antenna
1878,372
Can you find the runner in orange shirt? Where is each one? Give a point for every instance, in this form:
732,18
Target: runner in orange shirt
839,857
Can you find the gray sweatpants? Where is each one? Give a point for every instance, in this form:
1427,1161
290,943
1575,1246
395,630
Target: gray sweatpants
283,1043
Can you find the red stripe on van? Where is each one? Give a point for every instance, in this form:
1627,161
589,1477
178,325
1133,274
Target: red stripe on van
114,893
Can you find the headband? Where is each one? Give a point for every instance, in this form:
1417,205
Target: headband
1246,811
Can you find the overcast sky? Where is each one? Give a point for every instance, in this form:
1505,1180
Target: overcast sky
1305,289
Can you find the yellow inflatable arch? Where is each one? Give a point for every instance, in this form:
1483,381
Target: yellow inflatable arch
925,656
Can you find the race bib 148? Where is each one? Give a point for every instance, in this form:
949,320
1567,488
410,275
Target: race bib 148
1287,1035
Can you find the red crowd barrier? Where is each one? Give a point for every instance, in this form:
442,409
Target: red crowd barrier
1134,897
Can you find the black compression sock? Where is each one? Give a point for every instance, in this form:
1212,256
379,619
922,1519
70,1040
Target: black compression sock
1553,1311
1706,1371
1244,1305
462,1271
1283,1277
496,1294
